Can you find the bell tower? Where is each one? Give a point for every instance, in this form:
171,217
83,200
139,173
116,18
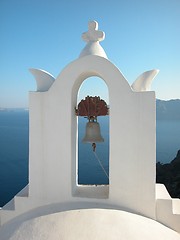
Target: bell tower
53,159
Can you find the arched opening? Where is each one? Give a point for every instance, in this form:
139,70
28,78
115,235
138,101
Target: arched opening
92,167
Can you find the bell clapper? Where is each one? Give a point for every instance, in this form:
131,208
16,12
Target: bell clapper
94,147
92,119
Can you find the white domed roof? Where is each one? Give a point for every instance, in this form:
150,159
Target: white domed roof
89,224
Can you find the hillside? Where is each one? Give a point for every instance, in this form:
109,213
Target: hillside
169,175
168,110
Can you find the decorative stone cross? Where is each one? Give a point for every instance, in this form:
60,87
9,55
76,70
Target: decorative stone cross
93,34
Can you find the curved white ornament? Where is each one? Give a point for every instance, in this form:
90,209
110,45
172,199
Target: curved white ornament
93,36
143,82
44,79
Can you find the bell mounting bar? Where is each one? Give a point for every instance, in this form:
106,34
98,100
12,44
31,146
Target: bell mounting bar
92,107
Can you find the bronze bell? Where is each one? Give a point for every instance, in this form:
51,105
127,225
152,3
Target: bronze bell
93,133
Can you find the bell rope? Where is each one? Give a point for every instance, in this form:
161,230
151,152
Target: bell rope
101,164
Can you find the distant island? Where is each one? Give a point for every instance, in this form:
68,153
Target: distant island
168,110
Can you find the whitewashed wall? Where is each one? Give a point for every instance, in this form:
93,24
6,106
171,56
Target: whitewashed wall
53,132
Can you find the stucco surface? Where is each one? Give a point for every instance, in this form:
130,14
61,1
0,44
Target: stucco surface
90,224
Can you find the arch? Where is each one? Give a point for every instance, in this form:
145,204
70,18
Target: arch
93,167
77,71
65,88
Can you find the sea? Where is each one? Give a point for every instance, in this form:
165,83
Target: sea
92,167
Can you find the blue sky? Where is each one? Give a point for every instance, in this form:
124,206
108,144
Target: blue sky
140,35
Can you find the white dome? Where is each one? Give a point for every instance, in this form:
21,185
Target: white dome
89,224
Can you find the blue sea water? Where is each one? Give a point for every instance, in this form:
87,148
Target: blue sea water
13,153
14,133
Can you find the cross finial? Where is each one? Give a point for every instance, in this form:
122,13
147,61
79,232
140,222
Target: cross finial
93,34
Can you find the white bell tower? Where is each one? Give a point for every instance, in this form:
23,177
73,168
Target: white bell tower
53,128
